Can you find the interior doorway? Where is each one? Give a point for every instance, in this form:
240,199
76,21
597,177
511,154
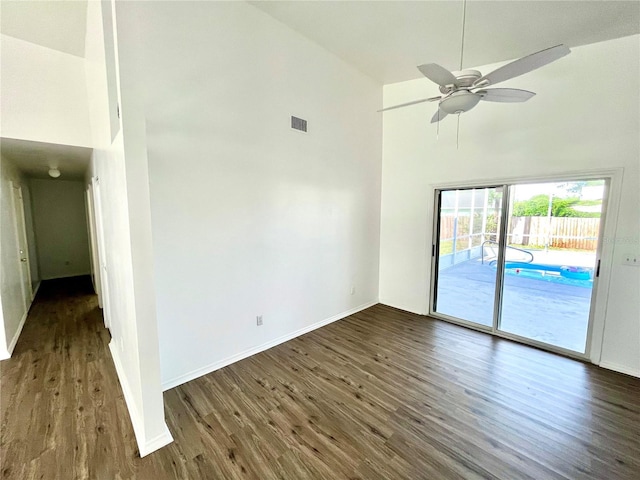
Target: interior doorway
44,224
520,260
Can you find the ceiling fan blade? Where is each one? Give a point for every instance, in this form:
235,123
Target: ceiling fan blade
437,74
439,115
432,99
523,65
505,95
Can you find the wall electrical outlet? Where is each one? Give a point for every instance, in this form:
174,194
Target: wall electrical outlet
631,259
259,320
353,290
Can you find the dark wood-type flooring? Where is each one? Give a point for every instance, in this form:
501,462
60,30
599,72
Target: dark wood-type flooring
382,394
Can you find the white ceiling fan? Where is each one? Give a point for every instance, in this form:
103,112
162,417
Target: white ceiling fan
463,89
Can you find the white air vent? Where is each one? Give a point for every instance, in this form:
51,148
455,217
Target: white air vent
298,124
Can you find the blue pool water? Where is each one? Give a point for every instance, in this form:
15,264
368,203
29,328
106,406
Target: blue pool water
576,276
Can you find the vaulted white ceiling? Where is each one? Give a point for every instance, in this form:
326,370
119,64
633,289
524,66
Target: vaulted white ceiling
60,25
386,40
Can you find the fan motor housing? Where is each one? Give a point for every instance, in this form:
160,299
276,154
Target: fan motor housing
459,101
464,79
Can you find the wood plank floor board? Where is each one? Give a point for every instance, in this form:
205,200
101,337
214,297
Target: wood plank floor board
293,465
382,394
482,351
492,440
450,432
501,390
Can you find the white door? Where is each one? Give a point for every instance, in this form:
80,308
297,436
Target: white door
22,255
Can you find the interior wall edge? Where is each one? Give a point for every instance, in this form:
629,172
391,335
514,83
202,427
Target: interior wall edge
145,446
162,439
400,307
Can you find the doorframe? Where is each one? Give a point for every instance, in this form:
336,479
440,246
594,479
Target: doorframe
20,224
604,253
93,236
102,259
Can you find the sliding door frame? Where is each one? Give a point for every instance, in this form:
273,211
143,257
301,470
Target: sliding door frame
435,256
604,256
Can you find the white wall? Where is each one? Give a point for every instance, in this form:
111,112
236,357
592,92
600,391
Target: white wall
580,120
61,228
249,217
13,307
43,94
131,338
130,311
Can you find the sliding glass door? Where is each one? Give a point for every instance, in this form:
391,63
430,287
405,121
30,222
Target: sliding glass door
468,221
547,298
519,260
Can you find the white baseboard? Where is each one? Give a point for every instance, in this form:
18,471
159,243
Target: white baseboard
136,419
621,369
199,372
67,275
144,446
5,354
156,443
14,340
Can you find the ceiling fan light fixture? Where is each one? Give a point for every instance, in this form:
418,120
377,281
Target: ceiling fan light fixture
459,89
54,172
459,102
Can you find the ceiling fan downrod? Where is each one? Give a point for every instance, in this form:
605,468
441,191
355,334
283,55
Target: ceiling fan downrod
464,21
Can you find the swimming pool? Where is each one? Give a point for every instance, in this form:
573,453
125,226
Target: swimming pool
566,275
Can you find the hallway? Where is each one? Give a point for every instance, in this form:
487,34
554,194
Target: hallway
63,415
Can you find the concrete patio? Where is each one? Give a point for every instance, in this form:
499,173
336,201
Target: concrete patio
540,309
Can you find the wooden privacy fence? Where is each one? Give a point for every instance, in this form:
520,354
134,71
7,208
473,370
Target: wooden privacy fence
463,225
447,226
563,232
